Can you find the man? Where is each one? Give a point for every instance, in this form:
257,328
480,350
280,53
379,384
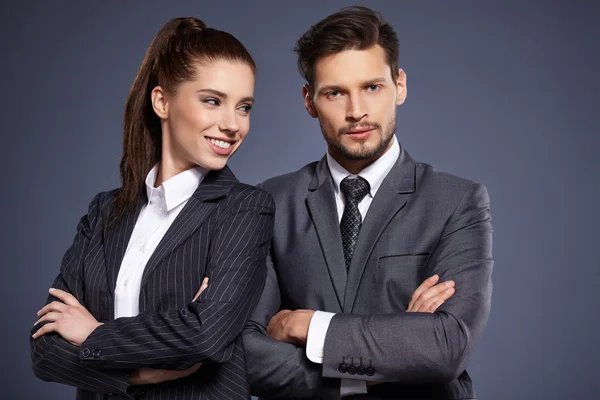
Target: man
355,234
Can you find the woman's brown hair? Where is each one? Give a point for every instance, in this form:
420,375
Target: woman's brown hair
178,47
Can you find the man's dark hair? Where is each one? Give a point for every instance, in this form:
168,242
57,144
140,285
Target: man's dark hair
350,28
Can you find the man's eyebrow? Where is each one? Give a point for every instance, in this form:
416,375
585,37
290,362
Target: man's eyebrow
338,88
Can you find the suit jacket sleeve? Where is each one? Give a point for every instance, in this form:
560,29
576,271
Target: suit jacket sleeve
424,347
280,370
205,330
55,359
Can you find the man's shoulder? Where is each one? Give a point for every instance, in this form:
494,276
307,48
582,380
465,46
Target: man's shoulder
444,185
291,182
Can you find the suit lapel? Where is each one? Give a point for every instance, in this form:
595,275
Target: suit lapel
214,186
116,239
389,200
322,208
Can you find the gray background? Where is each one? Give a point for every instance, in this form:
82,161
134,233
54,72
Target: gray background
503,93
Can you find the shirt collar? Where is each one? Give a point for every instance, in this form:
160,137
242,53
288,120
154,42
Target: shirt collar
178,188
374,173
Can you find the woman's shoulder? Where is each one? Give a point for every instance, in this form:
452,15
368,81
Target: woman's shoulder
242,193
102,202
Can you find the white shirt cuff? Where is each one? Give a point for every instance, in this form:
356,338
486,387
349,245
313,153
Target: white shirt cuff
315,340
352,386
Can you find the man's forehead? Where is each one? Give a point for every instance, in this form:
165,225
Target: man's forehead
352,66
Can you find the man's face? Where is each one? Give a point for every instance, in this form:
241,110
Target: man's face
355,98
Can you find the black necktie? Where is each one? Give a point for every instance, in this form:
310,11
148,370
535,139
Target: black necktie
354,189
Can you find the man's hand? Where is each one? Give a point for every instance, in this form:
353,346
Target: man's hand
69,319
151,376
290,326
429,295
427,298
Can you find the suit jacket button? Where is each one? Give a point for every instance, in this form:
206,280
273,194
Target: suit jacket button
360,370
85,353
351,369
370,371
96,353
343,368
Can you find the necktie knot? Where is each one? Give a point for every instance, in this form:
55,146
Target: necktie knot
355,189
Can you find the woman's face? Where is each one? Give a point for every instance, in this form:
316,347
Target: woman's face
205,121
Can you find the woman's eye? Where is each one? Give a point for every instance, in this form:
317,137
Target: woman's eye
212,102
246,108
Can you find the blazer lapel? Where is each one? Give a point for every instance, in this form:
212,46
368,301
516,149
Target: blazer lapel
322,208
389,200
214,186
116,239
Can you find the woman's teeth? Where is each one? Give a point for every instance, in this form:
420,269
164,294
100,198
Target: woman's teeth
220,143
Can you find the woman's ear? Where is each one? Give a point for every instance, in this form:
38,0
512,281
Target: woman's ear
159,102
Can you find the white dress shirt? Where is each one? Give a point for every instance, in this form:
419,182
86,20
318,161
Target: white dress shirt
164,204
374,174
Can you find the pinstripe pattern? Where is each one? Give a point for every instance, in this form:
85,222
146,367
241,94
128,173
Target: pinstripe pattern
223,232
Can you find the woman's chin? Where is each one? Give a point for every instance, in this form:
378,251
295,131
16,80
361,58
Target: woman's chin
213,164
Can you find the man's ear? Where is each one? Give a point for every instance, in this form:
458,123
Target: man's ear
401,85
308,103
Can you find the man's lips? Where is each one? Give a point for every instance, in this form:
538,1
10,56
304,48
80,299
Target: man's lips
354,131
360,133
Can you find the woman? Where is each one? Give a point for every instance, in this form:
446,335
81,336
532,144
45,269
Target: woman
124,318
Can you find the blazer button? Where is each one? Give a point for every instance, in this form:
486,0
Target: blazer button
343,368
96,353
351,369
85,353
370,371
360,370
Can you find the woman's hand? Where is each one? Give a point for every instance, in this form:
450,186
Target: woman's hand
69,319
151,376
203,287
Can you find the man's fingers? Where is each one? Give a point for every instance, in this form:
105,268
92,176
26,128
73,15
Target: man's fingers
427,283
45,329
427,305
65,297
55,306
51,316
203,286
435,306
437,290
425,299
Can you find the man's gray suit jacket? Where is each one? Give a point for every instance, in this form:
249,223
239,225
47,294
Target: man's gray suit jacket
421,222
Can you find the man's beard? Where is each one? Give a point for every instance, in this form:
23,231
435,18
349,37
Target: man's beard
364,154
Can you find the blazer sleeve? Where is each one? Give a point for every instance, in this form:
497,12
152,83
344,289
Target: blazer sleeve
280,370
53,358
205,330
426,347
